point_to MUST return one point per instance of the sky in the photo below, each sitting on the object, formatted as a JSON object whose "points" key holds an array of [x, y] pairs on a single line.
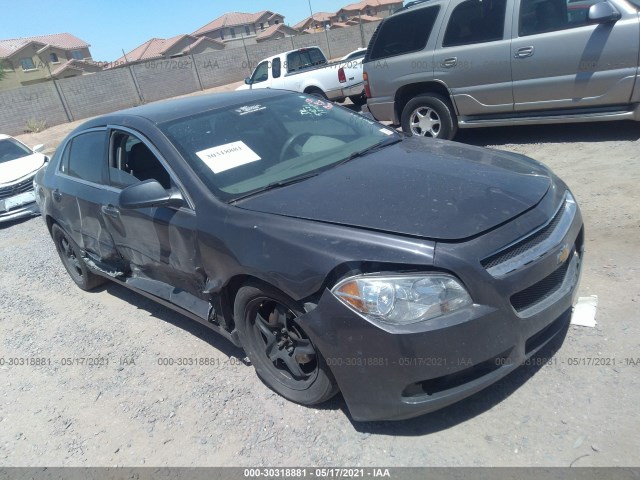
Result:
{"points": [[110, 26]]}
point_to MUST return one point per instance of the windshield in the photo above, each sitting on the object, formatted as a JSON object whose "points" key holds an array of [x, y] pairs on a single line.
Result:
{"points": [[248, 147], [12, 150]]}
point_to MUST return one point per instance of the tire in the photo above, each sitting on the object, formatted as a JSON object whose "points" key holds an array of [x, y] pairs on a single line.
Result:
{"points": [[71, 259], [316, 92], [430, 116], [271, 338], [358, 100]]}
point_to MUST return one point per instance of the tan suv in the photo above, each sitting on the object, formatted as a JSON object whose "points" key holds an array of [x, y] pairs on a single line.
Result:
{"points": [[441, 65]]}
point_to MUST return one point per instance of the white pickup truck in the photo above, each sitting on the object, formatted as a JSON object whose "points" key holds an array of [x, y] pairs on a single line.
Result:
{"points": [[306, 70]]}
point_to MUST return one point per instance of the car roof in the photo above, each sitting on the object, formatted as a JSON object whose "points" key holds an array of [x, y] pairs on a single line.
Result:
{"points": [[168, 110]]}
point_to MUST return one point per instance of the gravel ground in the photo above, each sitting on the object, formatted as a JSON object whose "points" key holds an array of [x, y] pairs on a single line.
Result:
{"points": [[135, 412]]}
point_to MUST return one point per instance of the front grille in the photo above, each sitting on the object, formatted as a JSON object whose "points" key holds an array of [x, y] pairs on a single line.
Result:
{"points": [[16, 189], [526, 243], [537, 292]]}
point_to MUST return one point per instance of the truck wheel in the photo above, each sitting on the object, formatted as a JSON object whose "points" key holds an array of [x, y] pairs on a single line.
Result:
{"points": [[316, 92], [358, 100], [281, 352], [430, 116]]}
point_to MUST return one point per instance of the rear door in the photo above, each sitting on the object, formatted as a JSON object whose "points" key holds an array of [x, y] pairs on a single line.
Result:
{"points": [[561, 61], [473, 56], [83, 190]]}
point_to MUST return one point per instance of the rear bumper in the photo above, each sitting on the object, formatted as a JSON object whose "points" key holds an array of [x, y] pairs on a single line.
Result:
{"points": [[383, 111], [341, 93]]}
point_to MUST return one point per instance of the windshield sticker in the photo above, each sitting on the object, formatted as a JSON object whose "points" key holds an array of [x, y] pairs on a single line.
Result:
{"points": [[225, 157], [386, 131], [250, 109], [315, 108]]}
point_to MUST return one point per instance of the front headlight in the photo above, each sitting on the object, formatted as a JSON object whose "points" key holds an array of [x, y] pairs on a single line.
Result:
{"points": [[402, 299]]}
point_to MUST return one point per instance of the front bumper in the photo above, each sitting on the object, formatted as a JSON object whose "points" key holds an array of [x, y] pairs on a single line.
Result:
{"points": [[24, 208], [394, 373]]}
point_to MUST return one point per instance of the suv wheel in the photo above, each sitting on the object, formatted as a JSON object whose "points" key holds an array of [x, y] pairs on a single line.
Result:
{"points": [[430, 116]]}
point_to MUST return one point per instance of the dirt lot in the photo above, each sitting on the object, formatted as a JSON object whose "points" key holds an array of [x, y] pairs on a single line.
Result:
{"points": [[135, 412]]}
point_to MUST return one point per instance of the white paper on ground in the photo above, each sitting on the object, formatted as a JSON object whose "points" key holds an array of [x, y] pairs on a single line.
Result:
{"points": [[584, 313], [225, 157]]}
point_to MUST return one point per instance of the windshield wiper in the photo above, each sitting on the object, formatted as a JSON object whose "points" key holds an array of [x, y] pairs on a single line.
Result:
{"points": [[373, 148], [275, 185]]}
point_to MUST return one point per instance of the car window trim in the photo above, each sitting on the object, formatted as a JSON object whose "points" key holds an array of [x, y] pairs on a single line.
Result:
{"points": [[161, 159]]}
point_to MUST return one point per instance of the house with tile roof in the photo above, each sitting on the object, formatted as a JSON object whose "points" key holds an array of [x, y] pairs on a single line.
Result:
{"points": [[30, 60], [238, 28], [174, 47], [365, 11], [316, 23]]}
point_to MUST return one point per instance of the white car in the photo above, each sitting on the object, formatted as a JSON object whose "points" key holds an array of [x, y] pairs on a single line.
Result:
{"points": [[356, 54], [18, 167]]}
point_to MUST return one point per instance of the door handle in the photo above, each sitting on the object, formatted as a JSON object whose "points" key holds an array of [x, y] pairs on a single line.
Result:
{"points": [[449, 62], [57, 196], [524, 52], [111, 211]]}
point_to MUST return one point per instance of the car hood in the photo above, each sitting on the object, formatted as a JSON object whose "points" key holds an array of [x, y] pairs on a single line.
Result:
{"points": [[21, 167], [421, 187]]}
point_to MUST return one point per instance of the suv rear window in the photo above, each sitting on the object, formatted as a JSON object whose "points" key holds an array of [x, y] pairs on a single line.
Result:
{"points": [[475, 21], [404, 33]]}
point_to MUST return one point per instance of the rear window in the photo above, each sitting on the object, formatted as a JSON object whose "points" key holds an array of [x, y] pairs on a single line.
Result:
{"points": [[404, 33], [304, 59]]}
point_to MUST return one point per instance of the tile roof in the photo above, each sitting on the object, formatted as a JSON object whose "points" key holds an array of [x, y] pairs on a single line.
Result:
{"points": [[273, 29], [317, 17], [65, 41], [370, 3], [158, 47], [74, 64], [233, 19]]}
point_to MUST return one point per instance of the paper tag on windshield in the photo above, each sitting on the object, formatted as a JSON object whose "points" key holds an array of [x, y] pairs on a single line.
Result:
{"points": [[225, 157]]}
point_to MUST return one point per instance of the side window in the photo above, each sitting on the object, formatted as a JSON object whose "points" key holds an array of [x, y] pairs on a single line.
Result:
{"points": [[261, 74], [404, 33], [131, 161], [84, 157], [475, 21], [276, 68], [540, 16]]}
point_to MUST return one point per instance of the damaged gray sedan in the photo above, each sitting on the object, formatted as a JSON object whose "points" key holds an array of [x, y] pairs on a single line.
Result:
{"points": [[406, 273]]}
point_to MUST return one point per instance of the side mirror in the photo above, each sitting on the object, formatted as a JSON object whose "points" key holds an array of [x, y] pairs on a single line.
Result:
{"points": [[603, 12], [39, 148], [149, 194], [247, 81]]}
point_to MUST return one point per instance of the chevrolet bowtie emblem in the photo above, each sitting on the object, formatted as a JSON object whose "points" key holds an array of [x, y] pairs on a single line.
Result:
{"points": [[564, 254]]}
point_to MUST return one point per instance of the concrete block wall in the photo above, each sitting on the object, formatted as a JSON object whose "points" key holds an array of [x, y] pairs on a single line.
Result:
{"points": [[119, 88], [160, 79], [91, 95], [34, 102]]}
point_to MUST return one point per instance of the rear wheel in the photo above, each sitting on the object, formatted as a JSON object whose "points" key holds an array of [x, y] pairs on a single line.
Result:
{"points": [[76, 267], [279, 349], [430, 116], [358, 100], [316, 92]]}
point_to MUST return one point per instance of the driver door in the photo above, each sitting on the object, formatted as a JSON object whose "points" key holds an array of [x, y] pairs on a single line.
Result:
{"points": [[158, 245]]}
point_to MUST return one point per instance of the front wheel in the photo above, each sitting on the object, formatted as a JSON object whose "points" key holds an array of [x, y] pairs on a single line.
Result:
{"points": [[430, 116], [281, 352]]}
